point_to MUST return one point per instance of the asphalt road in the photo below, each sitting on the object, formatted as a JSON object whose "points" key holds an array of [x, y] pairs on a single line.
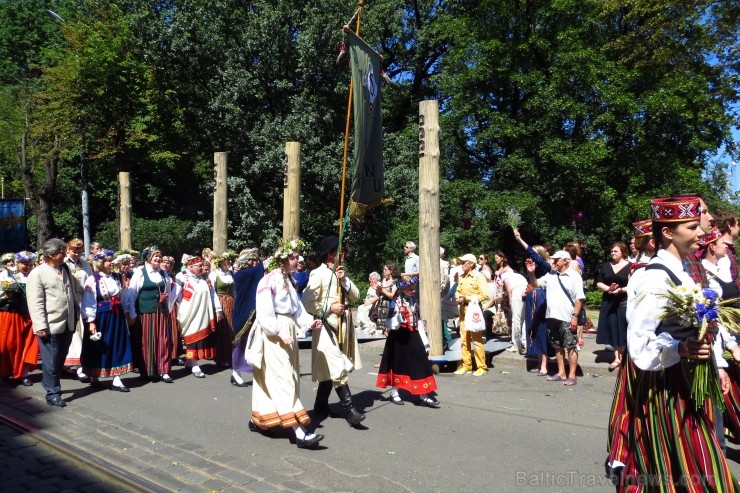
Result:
{"points": [[507, 431]]}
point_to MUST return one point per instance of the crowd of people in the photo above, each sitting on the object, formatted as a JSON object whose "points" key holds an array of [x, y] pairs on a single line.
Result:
{"points": [[115, 314], [120, 312]]}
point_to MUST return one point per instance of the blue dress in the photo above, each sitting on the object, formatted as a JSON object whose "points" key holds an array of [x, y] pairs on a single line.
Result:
{"points": [[112, 355], [245, 301], [535, 309]]}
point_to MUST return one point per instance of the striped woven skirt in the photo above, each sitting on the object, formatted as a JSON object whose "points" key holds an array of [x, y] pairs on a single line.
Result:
{"points": [[224, 333], [732, 405], [673, 446], [619, 417], [156, 343]]}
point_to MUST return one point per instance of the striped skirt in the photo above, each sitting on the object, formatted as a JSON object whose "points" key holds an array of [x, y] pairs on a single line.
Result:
{"points": [[224, 332], [619, 417], [732, 405], [156, 343], [672, 445]]}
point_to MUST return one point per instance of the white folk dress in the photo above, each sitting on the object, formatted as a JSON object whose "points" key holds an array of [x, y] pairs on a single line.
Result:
{"points": [[275, 398]]}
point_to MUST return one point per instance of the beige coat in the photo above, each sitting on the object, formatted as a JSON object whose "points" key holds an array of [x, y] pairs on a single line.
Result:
{"points": [[52, 300], [331, 359]]}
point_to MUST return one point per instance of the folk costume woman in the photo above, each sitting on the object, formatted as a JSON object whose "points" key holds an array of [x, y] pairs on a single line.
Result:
{"points": [[222, 280], [711, 251], [405, 364], [167, 264], [248, 273], [281, 317], [109, 353], [619, 417], [80, 269], [671, 436], [197, 314], [152, 293], [19, 347]]}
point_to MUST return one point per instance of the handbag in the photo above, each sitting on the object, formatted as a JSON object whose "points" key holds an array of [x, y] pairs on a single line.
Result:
{"points": [[582, 315], [255, 346], [474, 317], [373, 313]]}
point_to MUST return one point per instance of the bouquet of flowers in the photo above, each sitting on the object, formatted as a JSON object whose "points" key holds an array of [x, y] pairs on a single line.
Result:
{"points": [[9, 286], [513, 218], [694, 306]]}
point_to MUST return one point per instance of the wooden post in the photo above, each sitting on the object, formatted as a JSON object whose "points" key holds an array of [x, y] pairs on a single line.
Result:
{"points": [[220, 204], [429, 275], [124, 211], [292, 191]]}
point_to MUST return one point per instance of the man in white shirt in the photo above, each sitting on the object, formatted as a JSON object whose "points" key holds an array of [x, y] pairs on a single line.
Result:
{"points": [[411, 265], [565, 300]]}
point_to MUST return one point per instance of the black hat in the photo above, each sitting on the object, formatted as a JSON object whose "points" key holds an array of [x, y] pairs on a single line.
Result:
{"points": [[328, 244]]}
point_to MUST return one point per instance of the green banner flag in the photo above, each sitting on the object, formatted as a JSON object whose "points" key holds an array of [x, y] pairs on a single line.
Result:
{"points": [[368, 189]]}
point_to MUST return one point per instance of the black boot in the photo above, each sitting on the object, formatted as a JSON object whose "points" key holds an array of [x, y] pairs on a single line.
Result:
{"points": [[350, 413], [321, 404]]}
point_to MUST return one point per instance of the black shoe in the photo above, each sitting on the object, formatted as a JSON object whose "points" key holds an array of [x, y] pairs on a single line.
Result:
{"points": [[26, 382], [253, 427], [180, 362], [199, 374], [85, 380], [308, 442], [167, 379], [56, 401], [396, 399], [120, 388], [233, 382], [429, 401]]}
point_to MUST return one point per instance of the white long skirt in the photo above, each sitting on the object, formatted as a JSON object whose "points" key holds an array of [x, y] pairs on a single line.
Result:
{"points": [[275, 397]]}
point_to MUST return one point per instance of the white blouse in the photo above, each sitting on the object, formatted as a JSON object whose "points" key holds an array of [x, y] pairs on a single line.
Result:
{"points": [[276, 295], [648, 350], [109, 288]]}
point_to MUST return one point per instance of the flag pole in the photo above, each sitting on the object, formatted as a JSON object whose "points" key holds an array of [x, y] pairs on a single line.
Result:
{"points": [[360, 5]]}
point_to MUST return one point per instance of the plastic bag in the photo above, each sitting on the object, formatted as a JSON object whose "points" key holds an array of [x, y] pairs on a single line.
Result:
{"points": [[474, 316]]}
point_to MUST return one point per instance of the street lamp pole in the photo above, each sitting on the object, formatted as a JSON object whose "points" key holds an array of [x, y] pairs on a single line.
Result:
{"points": [[85, 196]]}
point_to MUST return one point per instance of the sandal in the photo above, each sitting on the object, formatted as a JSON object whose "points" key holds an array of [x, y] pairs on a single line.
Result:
{"points": [[555, 378], [570, 382]]}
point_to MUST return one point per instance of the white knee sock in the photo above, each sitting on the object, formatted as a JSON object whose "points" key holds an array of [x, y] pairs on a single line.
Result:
{"points": [[394, 391], [196, 369], [237, 378], [117, 382], [300, 433]]}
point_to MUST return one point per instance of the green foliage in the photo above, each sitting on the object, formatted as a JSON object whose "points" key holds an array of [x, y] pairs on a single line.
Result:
{"points": [[554, 108], [173, 236], [593, 298]]}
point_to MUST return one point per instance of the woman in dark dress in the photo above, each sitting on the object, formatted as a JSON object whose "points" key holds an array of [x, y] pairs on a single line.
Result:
{"points": [[405, 364], [536, 307], [249, 270], [612, 281]]}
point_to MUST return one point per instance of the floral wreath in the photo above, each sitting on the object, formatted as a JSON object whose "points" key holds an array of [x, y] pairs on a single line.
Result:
{"points": [[103, 254], [404, 284], [285, 250], [121, 257], [25, 256]]}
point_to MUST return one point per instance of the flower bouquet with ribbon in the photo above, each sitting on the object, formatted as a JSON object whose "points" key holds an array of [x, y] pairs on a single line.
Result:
{"points": [[699, 308]]}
